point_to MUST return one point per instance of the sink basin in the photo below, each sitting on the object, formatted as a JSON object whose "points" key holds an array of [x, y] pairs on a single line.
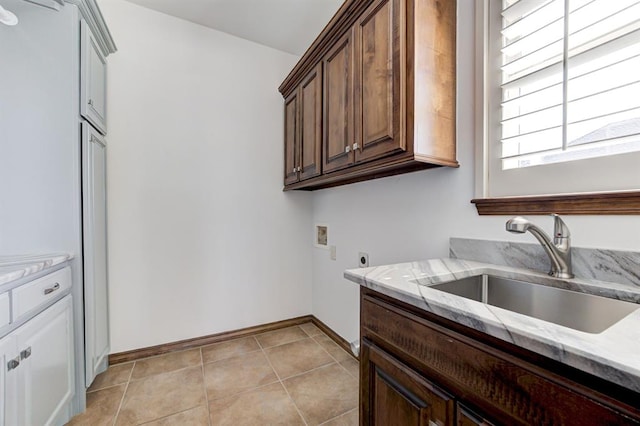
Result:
{"points": [[579, 311]]}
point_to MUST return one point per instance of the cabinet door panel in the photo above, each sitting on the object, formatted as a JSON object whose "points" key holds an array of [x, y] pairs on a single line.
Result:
{"points": [[311, 124], [46, 382], [291, 139], [338, 105], [379, 99], [93, 84], [8, 382], [94, 203], [392, 393]]}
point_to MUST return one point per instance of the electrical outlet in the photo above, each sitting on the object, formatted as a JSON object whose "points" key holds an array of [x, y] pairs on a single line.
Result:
{"points": [[332, 252], [363, 259]]}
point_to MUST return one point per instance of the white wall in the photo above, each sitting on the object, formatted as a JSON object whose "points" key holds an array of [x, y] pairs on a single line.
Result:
{"points": [[412, 216], [201, 237]]}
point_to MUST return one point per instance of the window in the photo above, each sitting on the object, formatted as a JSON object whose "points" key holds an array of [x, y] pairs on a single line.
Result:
{"points": [[563, 91]]}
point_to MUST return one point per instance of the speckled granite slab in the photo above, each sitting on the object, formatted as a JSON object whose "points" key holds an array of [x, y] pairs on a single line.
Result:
{"points": [[15, 267], [621, 267], [611, 355]]}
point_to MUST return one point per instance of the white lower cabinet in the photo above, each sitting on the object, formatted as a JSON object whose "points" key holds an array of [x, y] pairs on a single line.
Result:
{"points": [[38, 374]]}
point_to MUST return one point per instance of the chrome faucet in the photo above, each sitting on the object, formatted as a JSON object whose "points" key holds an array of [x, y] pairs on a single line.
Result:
{"points": [[559, 251]]}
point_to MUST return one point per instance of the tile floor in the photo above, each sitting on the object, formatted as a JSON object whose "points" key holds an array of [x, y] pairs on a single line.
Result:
{"points": [[292, 376]]}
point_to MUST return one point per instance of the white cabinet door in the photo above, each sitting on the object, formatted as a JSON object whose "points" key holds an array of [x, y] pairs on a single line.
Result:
{"points": [[10, 360], [46, 371], [93, 80], [94, 202]]}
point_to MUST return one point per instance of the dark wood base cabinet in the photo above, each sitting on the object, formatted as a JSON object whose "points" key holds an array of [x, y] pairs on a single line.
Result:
{"points": [[420, 369]]}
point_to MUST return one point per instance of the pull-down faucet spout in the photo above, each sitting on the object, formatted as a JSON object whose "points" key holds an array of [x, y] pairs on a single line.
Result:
{"points": [[559, 251]]}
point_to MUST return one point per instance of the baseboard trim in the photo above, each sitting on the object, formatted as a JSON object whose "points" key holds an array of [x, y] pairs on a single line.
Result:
{"points": [[333, 335], [135, 354]]}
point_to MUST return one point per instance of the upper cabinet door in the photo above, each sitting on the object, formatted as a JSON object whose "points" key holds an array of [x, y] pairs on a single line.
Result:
{"points": [[93, 84], [338, 105], [291, 139], [311, 124], [379, 98]]}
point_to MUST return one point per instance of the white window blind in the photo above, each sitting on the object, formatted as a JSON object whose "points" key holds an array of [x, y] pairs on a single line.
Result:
{"points": [[570, 80]]}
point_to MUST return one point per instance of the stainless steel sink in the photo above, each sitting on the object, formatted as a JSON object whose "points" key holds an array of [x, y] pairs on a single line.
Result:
{"points": [[580, 311]]}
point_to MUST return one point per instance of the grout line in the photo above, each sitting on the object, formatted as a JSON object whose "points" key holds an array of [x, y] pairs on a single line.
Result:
{"points": [[231, 357], [115, 418], [245, 391], [106, 387], [338, 416], [204, 387], [168, 415], [285, 389], [309, 371], [334, 358]]}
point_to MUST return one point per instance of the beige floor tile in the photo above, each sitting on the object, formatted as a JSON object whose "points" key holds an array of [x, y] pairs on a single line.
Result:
{"points": [[161, 395], [198, 416], [352, 366], [297, 357], [115, 375], [268, 405], [280, 337], [165, 363], [347, 419], [324, 393], [102, 407], [310, 329], [234, 375], [229, 349], [330, 346]]}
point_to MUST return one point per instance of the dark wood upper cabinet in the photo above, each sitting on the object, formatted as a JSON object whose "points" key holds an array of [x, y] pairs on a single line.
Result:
{"points": [[291, 139], [311, 124], [338, 105], [303, 129], [379, 102], [388, 92]]}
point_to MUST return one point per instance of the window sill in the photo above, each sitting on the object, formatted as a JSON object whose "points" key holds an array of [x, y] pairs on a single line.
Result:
{"points": [[596, 203]]}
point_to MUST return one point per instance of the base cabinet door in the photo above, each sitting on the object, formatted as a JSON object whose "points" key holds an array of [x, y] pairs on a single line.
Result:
{"points": [[10, 360], [393, 394], [46, 371]]}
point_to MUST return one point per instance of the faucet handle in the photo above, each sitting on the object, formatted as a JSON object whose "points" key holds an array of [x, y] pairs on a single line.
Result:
{"points": [[560, 229]]}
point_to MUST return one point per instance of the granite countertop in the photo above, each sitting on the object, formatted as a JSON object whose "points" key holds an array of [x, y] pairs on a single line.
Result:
{"points": [[13, 268], [611, 355]]}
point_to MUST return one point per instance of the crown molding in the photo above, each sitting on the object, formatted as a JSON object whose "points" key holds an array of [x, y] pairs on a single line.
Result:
{"points": [[93, 16]]}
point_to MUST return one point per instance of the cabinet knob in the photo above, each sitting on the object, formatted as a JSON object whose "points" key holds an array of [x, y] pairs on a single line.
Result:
{"points": [[294, 170], [347, 148], [13, 363], [299, 168], [355, 146], [25, 353], [91, 102]]}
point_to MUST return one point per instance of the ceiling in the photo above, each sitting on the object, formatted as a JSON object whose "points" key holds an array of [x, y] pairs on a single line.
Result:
{"points": [[288, 25]]}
